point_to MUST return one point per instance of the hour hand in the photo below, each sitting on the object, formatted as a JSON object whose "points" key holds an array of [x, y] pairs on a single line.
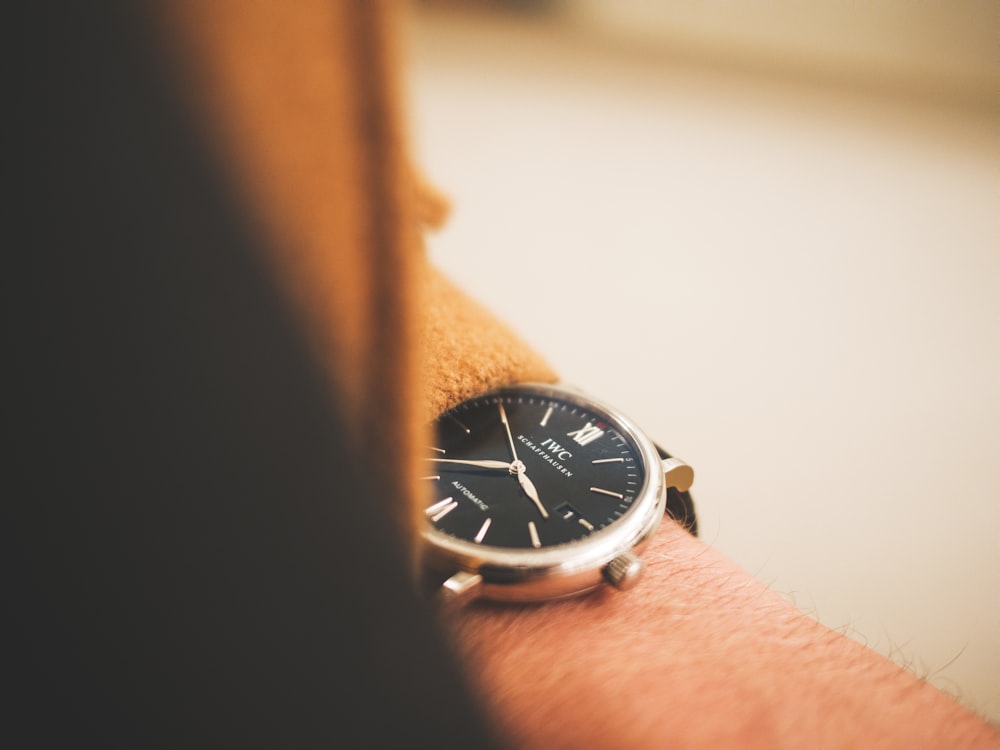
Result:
{"points": [[529, 489], [485, 464]]}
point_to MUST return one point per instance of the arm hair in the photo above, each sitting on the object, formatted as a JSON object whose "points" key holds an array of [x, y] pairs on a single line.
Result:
{"points": [[700, 654]]}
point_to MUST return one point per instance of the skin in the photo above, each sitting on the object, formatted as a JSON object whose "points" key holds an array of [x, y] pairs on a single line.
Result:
{"points": [[700, 654]]}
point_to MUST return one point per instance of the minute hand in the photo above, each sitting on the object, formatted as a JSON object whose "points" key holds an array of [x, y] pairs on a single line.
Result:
{"points": [[499, 465], [506, 426]]}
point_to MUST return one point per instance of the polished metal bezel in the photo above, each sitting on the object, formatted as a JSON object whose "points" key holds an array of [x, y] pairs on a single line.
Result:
{"points": [[567, 569]]}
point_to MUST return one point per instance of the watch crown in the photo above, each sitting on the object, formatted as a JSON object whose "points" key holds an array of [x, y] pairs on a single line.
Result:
{"points": [[624, 571]]}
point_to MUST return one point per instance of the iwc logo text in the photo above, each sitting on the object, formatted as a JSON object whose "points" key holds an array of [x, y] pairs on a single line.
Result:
{"points": [[550, 452]]}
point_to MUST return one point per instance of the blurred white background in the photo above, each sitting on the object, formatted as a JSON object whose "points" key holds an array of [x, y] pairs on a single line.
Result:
{"points": [[772, 237]]}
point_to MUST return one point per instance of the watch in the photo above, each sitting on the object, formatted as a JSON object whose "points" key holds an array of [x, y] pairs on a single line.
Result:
{"points": [[541, 492]]}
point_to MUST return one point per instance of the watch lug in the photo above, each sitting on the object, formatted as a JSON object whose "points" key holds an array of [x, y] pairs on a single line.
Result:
{"points": [[462, 586], [678, 474], [624, 571]]}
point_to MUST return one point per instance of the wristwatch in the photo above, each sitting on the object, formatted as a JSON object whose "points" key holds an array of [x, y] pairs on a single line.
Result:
{"points": [[541, 492]]}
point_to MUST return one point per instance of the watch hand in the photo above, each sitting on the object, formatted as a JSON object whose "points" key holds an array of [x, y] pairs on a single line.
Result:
{"points": [[502, 465], [510, 439], [529, 489]]}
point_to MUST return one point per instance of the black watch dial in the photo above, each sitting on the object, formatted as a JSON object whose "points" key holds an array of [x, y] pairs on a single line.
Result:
{"points": [[520, 469]]}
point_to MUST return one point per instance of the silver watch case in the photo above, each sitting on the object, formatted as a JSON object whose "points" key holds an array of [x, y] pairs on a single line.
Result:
{"points": [[610, 555]]}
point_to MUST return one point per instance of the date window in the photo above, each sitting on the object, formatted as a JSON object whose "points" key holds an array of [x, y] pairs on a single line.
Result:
{"points": [[567, 512]]}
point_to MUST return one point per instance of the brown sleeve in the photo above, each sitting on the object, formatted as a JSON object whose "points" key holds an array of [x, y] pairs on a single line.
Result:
{"points": [[302, 107], [465, 349], [304, 110]]}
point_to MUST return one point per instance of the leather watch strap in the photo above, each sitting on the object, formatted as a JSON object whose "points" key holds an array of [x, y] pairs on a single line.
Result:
{"points": [[680, 505]]}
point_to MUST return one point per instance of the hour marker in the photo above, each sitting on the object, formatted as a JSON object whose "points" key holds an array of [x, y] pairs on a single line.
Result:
{"points": [[439, 450], [545, 419], [467, 430], [608, 461], [607, 492], [480, 535], [440, 509], [432, 477], [586, 434], [586, 524], [533, 530]]}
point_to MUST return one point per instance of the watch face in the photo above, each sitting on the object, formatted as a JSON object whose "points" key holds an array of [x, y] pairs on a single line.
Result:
{"points": [[531, 468]]}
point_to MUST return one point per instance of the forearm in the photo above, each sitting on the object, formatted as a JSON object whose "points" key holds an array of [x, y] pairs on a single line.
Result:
{"points": [[700, 654]]}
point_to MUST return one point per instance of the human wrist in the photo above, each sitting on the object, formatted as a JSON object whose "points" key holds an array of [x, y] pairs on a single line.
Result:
{"points": [[699, 653]]}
